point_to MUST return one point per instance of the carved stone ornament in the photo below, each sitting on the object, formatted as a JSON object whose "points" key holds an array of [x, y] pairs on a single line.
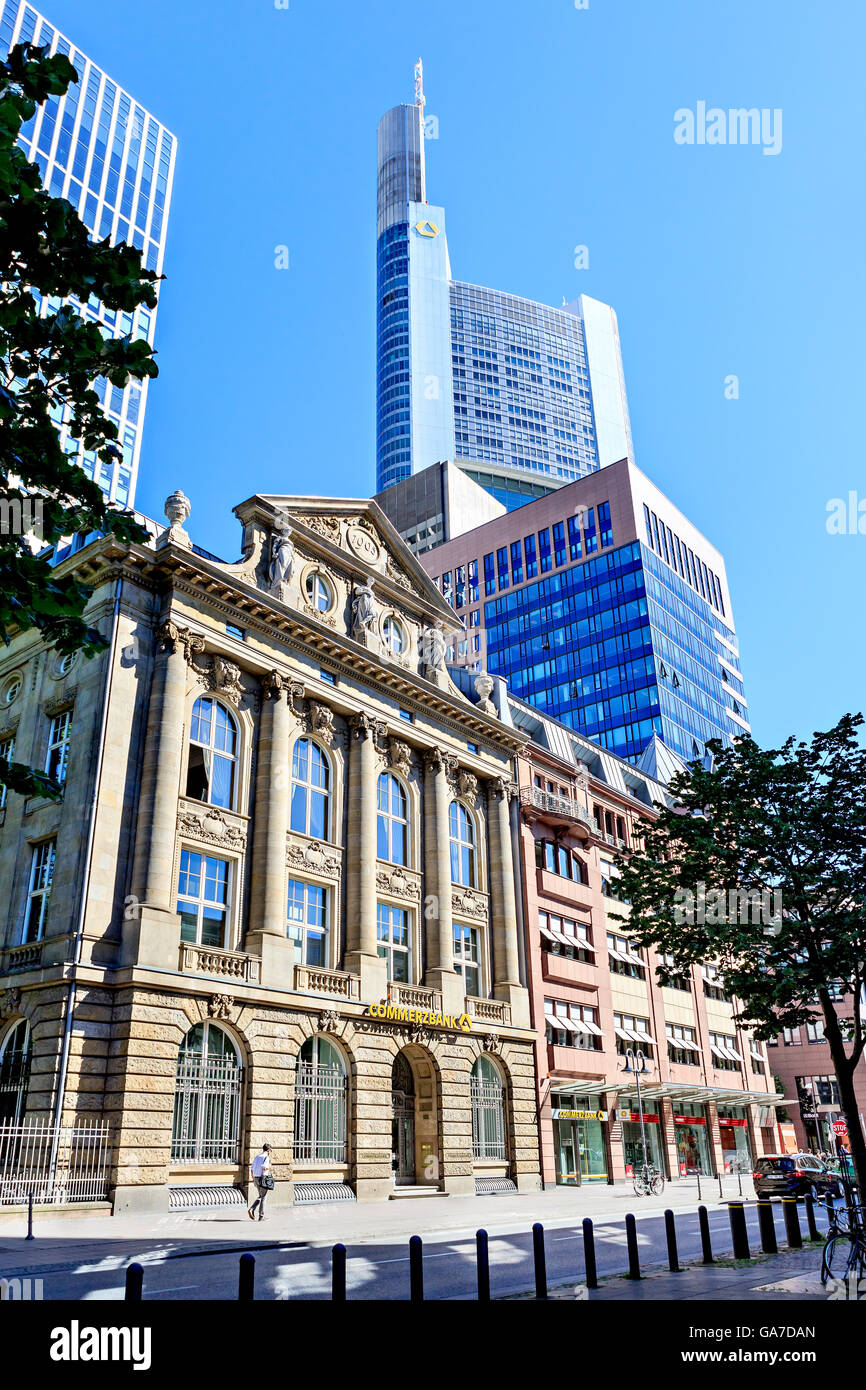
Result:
{"points": [[492, 1043], [467, 903], [10, 1002], [364, 725], [397, 883], [327, 526], [503, 787], [170, 634], [401, 756], [211, 825], [484, 689], [363, 541], [467, 786], [418, 1034], [364, 610], [314, 856], [437, 760], [224, 679], [322, 722], [177, 509], [432, 646], [398, 575], [275, 685], [221, 1006], [329, 1021]]}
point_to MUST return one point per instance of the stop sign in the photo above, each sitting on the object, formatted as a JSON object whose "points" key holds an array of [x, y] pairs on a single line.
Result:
{"points": [[840, 1127]]}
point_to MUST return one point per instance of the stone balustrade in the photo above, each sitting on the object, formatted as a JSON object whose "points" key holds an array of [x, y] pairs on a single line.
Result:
{"points": [[415, 997], [310, 979], [488, 1010], [225, 965]]}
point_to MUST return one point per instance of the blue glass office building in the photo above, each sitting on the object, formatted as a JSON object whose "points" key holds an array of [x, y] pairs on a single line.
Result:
{"points": [[98, 148], [522, 396]]}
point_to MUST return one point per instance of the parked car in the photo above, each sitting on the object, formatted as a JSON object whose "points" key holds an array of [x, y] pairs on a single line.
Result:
{"points": [[793, 1175]]}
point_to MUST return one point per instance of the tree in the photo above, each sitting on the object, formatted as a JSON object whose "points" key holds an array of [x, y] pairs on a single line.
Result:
{"points": [[760, 865], [50, 362]]}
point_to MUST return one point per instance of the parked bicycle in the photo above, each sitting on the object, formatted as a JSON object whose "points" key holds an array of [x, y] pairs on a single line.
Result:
{"points": [[648, 1180], [843, 1258]]}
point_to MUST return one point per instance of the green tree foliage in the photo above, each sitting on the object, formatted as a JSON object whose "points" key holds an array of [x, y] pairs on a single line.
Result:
{"points": [[761, 867], [51, 361]]}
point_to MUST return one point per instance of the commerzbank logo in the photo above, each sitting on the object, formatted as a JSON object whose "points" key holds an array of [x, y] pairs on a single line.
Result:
{"points": [[426, 229]]}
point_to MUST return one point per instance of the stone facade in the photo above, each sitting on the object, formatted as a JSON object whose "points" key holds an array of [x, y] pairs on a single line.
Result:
{"points": [[231, 746]]}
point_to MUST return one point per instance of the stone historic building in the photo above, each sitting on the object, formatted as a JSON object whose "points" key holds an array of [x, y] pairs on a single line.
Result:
{"points": [[277, 901]]}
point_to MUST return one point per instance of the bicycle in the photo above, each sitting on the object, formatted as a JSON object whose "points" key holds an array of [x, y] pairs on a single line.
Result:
{"points": [[844, 1244], [648, 1180]]}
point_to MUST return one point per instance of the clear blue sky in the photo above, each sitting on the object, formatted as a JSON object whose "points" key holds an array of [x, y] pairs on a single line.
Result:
{"points": [[555, 129]]}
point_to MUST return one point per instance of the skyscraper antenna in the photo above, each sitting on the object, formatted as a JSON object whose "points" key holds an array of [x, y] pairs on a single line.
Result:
{"points": [[420, 99]]}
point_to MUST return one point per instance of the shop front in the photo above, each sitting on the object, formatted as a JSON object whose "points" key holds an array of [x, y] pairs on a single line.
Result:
{"points": [[633, 1137], [734, 1134], [580, 1140], [693, 1140]]}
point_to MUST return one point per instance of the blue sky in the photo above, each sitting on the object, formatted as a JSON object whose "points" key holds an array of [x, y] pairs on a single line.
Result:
{"points": [[555, 130]]}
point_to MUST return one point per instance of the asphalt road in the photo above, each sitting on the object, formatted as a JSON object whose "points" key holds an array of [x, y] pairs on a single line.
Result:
{"points": [[380, 1270]]}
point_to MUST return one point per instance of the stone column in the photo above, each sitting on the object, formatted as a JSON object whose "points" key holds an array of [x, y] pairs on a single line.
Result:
{"points": [[438, 911], [361, 955], [503, 903], [267, 935], [152, 936]]}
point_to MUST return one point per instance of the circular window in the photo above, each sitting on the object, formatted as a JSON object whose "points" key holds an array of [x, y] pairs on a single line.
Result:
{"points": [[65, 663], [319, 592], [395, 637], [11, 689]]}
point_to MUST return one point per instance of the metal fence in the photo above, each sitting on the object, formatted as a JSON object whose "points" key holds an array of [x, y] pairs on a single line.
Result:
{"points": [[57, 1163]]}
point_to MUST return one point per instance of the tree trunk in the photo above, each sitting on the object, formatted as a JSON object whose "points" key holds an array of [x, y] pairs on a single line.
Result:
{"points": [[844, 1069]]}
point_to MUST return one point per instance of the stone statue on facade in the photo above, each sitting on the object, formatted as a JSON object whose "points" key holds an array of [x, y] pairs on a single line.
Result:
{"points": [[282, 564], [363, 611], [484, 689], [433, 646]]}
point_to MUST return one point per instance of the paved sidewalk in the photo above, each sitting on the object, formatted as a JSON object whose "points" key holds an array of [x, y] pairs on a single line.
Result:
{"points": [[792, 1275], [64, 1242]]}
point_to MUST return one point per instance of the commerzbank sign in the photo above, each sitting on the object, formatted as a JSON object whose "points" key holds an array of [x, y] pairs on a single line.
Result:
{"points": [[395, 1013]]}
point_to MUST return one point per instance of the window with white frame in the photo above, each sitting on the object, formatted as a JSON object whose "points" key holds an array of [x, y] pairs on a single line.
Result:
{"points": [[677, 976], [206, 1122], [562, 936], [630, 1029], [815, 1033], [572, 1025], [682, 1045], [211, 770], [319, 592], [203, 887], [39, 891], [462, 835], [393, 940], [394, 635], [311, 779], [14, 1072], [57, 755], [392, 822], [726, 1056], [7, 753], [625, 957], [307, 922], [466, 958]]}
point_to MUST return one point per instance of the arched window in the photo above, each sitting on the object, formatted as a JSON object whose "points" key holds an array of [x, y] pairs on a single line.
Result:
{"points": [[319, 592], [488, 1110], [462, 833], [14, 1072], [321, 1090], [393, 820], [311, 778], [213, 740], [394, 635], [207, 1097]]}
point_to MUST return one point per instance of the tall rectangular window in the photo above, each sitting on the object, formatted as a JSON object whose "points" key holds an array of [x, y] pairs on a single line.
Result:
{"points": [[590, 540], [7, 753], [466, 961], [203, 898], [575, 544], [307, 922], [605, 530], [502, 566], [447, 588], [559, 543], [39, 892], [544, 550], [459, 586], [392, 933], [472, 580], [516, 562], [531, 562], [489, 575], [648, 524], [57, 755]]}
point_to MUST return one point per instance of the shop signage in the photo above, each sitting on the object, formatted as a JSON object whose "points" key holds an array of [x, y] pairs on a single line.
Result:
{"points": [[689, 1120], [579, 1114], [729, 1124], [633, 1117], [393, 1013]]}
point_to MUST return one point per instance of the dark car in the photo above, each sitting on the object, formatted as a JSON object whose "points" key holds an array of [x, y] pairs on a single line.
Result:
{"points": [[793, 1175]]}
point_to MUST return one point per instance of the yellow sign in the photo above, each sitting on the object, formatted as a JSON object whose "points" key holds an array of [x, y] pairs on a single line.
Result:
{"points": [[580, 1114], [394, 1013], [426, 229]]}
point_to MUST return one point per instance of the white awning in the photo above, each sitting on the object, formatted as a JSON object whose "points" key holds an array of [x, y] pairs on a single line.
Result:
{"points": [[580, 1026], [717, 1051], [731, 1053], [618, 955], [684, 1043], [545, 932], [594, 1028], [756, 1055], [561, 1021], [623, 1035], [643, 1036]]}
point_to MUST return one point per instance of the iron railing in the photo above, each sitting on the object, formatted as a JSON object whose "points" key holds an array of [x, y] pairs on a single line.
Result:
{"points": [[488, 1119], [206, 1110], [56, 1163], [320, 1114]]}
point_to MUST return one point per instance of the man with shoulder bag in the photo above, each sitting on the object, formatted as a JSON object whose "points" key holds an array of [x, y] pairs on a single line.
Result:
{"points": [[263, 1179]]}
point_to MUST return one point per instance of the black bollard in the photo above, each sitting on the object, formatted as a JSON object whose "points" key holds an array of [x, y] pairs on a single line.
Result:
{"points": [[338, 1274], [671, 1233], [814, 1233], [416, 1269], [134, 1282], [589, 1264], [29, 1235], [706, 1238], [631, 1242], [739, 1231], [482, 1250], [246, 1278], [767, 1226], [721, 1193], [540, 1261], [792, 1223]]}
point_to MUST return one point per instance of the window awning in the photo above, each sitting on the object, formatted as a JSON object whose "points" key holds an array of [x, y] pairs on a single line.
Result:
{"points": [[623, 1035], [618, 954], [593, 1028], [756, 1055], [546, 932], [685, 1043], [643, 1036], [560, 1021]]}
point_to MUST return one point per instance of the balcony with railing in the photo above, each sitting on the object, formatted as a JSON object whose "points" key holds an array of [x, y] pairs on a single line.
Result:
{"points": [[488, 1010], [562, 810], [414, 997], [314, 979], [235, 966]]}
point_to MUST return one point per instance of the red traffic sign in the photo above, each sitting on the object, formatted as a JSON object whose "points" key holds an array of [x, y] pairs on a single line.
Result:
{"points": [[840, 1127]]}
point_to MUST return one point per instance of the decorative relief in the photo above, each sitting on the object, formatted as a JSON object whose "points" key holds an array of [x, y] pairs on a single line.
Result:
{"points": [[364, 613], [468, 903], [398, 575], [437, 760], [329, 1021], [224, 678], [322, 722], [420, 1035], [362, 539], [313, 856], [364, 725], [10, 1002], [467, 786], [492, 1043], [282, 560], [221, 1006], [503, 787], [327, 526], [400, 755], [432, 647], [169, 633], [275, 684], [212, 826], [398, 883], [484, 689]]}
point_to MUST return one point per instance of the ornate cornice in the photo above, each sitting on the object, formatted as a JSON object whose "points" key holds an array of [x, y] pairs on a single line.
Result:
{"points": [[210, 825], [171, 634], [364, 725], [398, 882], [312, 856], [502, 788]]}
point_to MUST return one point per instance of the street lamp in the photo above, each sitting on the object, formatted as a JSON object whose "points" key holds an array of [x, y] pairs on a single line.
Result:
{"points": [[636, 1064]]}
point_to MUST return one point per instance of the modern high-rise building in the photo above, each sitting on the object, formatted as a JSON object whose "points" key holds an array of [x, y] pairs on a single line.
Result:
{"points": [[522, 396], [103, 152], [605, 608]]}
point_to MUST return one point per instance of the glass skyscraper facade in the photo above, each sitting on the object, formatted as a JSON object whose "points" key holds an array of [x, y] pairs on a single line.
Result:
{"points": [[103, 152], [522, 396]]}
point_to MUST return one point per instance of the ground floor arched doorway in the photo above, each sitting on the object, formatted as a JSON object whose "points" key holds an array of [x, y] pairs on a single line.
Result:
{"points": [[414, 1119]]}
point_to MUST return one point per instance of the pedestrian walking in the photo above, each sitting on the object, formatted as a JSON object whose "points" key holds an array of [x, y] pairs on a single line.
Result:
{"points": [[261, 1171]]}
